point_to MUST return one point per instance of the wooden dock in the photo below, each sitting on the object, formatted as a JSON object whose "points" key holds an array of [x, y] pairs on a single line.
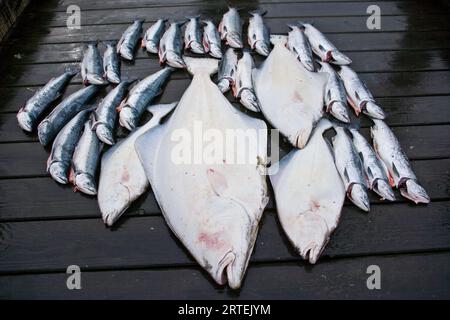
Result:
{"points": [[45, 227]]}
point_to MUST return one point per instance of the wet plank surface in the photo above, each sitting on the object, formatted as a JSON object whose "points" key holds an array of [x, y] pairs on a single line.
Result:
{"points": [[45, 227]]}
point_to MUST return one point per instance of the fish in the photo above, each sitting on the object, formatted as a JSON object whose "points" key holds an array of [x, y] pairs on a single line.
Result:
{"points": [[111, 63], [140, 96], [64, 112], [92, 65], [377, 179], [298, 43], [323, 47], [105, 114], [129, 40], [34, 107], [171, 46], [85, 161], [153, 35], [335, 96], [358, 96], [243, 86], [227, 70], [122, 177], [59, 161], [309, 194], [193, 35], [211, 40], [230, 28], [396, 163], [213, 206], [258, 33], [350, 169], [290, 97]]}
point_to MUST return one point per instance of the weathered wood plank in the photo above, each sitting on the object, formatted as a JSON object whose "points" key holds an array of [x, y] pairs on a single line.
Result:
{"points": [[61, 5], [367, 62], [422, 142], [43, 192], [427, 277], [41, 33], [213, 10], [147, 241]]}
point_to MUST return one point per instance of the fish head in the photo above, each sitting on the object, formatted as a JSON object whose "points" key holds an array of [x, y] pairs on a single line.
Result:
{"points": [[248, 99], [85, 183], [25, 121], [45, 130], [215, 51], [151, 47], [197, 48], [58, 172], [224, 85], [339, 111], [234, 40], [262, 48], [113, 202], [382, 188], [373, 110], [358, 195], [127, 118], [174, 60], [113, 77], [104, 134], [414, 191], [337, 57]]}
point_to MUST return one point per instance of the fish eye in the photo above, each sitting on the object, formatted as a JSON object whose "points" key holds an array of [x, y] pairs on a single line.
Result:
{"points": [[322, 48]]}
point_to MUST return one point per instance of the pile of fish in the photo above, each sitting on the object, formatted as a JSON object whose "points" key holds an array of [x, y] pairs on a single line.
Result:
{"points": [[303, 88]]}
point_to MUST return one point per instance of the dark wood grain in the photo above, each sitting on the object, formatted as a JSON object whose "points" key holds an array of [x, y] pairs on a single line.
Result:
{"points": [[412, 276], [43, 192], [147, 241]]}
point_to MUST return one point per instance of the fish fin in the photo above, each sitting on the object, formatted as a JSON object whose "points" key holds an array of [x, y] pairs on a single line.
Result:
{"points": [[217, 181], [196, 65], [161, 110]]}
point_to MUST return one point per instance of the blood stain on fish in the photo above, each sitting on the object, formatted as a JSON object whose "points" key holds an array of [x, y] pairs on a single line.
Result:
{"points": [[211, 241]]}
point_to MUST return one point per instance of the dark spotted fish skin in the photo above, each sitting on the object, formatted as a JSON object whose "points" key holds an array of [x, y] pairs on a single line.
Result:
{"points": [[129, 40]]}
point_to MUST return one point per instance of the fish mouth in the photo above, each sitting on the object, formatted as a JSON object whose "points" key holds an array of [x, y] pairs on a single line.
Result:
{"points": [[215, 52], [85, 183], [25, 121], [248, 99], [262, 48], [339, 111], [414, 192], [234, 40], [371, 109], [151, 47], [337, 57], [230, 270], [58, 172], [358, 195], [104, 134], [383, 189], [197, 48], [127, 118], [95, 79], [174, 60], [113, 78], [308, 64], [126, 54], [224, 85]]}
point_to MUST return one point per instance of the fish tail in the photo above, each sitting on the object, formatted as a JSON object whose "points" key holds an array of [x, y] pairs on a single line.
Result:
{"points": [[260, 12], [141, 21], [197, 65], [193, 17], [112, 43]]}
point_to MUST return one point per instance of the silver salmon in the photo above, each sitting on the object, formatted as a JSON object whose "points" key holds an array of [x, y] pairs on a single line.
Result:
{"points": [[211, 40], [129, 40], [258, 33], [230, 28], [111, 63], [193, 35], [227, 70], [153, 35], [171, 46], [92, 65]]}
